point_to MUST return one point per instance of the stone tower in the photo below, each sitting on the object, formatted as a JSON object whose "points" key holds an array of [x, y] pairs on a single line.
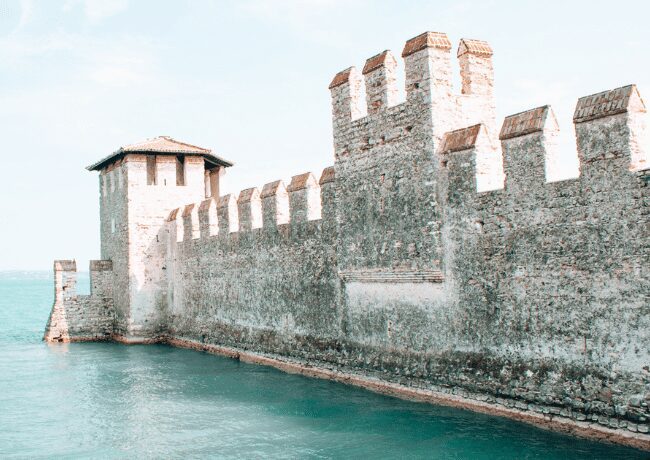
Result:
{"points": [[139, 185]]}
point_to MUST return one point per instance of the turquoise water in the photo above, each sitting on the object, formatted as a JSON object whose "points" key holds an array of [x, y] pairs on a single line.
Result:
{"points": [[115, 401]]}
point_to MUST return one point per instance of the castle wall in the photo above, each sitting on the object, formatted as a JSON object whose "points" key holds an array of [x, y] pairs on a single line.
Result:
{"points": [[113, 211], [553, 278], [265, 287], [434, 254], [81, 317], [133, 214], [532, 296]]}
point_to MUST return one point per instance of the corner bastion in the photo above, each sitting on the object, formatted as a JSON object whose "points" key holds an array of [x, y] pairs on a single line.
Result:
{"points": [[437, 259]]}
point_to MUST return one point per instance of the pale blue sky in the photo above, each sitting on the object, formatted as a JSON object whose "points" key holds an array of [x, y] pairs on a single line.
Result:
{"points": [[79, 78]]}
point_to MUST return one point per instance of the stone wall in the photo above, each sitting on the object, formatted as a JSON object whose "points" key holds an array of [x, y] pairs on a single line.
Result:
{"points": [[553, 277], [261, 279], [530, 295], [133, 213], [434, 254], [81, 317]]}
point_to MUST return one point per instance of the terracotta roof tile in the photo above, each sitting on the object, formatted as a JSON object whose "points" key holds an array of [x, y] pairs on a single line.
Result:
{"points": [[205, 204], [460, 139], [187, 210], [378, 60], [523, 123], [604, 104], [426, 40], [247, 195], [476, 47], [327, 176], [342, 77], [271, 188], [162, 145], [173, 214], [301, 181], [225, 200]]}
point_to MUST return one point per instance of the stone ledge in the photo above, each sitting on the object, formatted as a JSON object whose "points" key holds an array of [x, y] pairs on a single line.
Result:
{"points": [[392, 276], [552, 422], [101, 265], [65, 265]]}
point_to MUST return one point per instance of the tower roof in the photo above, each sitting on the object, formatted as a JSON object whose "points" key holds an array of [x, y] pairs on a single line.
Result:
{"points": [[161, 145]]}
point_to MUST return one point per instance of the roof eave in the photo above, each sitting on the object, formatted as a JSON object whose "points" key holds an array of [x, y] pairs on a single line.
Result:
{"points": [[107, 159], [218, 161], [212, 159]]}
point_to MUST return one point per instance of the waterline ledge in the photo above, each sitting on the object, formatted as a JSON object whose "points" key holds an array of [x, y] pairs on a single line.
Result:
{"points": [[437, 396]]}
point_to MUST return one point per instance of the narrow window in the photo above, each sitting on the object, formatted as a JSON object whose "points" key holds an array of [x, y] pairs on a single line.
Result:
{"points": [[112, 225], [151, 170], [180, 170]]}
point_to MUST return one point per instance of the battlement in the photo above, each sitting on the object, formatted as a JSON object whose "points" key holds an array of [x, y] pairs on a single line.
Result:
{"points": [[428, 72], [81, 317], [610, 127], [276, 205]]}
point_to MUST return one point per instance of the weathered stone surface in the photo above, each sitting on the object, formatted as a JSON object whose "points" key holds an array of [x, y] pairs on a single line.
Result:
{"points": [[81, 317], [412, 260]]}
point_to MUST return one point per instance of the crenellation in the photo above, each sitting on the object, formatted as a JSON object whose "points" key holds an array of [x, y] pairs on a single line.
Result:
{"points": [[527, 139], [249, 209], [618, 119], [208, 220], [275, 204], [427, 62], [177, 228], [479, 168], [346, 92], [459, 156], [381, 82], [304, 198], [476, 71], [165, 170], [101, 277], [190, 220], [460, 139], [327, 176], [65, 279], [327, 184], [81, 317], [228, 214]]}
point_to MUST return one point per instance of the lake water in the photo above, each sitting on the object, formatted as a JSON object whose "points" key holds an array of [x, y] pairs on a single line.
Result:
{"points": [[114, 401]]}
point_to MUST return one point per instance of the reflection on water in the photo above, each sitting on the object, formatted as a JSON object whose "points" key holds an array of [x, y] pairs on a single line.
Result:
{"points": [[115, 401]]}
